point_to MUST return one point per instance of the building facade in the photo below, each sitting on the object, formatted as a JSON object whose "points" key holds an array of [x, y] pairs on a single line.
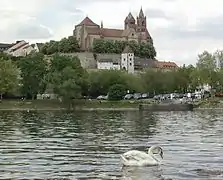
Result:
{"points": [[4, 46], [134, 30], [127, 60], [20, 48]]}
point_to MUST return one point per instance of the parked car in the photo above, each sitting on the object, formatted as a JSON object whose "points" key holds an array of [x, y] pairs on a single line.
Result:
{"points": [[102, 97], [157, 97], [137, 96], [128, 96], [145, 96]]}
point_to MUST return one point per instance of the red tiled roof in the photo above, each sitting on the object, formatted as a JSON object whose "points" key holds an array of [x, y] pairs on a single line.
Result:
{"points": [[21, 46], [105, 32], [111, 32], [87, 21], [166, 65]]}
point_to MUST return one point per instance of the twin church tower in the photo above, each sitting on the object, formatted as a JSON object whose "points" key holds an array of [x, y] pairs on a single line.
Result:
{"points": [[134, 30]]}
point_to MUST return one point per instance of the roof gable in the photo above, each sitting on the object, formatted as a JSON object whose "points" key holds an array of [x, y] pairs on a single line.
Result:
{"points": [[164, 64], [88, 22]]}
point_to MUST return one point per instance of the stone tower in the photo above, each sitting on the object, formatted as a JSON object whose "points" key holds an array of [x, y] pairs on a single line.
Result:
{"points": [[130, 21], [141, 22], [127, 60]]}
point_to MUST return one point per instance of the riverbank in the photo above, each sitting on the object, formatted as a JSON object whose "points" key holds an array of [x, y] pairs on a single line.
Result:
{"points": [[92, 105], [211, 103], [55, 105]]}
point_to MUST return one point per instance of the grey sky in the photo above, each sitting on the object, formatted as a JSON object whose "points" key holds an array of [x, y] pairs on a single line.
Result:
{"points": [[180, 29]]}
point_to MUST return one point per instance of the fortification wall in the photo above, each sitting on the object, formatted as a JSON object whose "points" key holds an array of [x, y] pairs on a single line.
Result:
{"points": [[88, 61], [86, 58]]}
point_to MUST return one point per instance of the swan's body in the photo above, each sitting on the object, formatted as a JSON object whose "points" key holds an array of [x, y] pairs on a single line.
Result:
{"points": [[139, 158]]}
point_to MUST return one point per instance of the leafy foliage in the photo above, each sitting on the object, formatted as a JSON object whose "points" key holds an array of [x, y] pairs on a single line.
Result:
{"points": [[65, 45], [101, 81], [9, 77], [206, 61], [117, 92], [33, 71], [69, 80], [108, 46], [66, 76]]}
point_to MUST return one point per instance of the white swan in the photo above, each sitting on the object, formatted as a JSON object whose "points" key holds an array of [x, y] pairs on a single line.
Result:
{"points": [[138, 158]]}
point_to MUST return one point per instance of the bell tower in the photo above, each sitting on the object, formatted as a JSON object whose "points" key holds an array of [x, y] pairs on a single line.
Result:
{"points": [[141, 22], [130, 21]]}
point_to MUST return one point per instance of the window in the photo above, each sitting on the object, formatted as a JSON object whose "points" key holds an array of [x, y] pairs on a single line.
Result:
{"points": [[124, 59], [130, 59], [132, 34], [130, 64]]}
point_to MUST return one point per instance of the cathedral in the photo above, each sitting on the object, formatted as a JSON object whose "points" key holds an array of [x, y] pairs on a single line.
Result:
{"points": [[134, 30]]}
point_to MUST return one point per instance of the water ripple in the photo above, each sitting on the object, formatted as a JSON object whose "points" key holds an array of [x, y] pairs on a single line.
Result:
{"points": [[88, 145]]}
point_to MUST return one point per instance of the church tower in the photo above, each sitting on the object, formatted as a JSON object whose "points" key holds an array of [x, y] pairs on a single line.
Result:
{"points": [[130, 21], [141, 22]]}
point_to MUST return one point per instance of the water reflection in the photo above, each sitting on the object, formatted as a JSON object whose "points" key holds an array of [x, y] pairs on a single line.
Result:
{"points": [[142, 173], [87, 145]]}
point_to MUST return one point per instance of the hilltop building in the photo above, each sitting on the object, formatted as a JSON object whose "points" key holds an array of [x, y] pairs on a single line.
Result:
{"points": [[131, 63], [134, 30], [20, 48]]}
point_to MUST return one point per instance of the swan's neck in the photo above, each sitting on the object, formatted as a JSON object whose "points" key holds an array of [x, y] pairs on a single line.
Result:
{"points": [[152, 155]]}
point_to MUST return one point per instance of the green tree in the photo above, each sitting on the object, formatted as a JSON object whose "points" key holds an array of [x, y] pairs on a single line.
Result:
{"points": [[98, 46], [206, 61], [68, 45], [117, 92], [65, 83], [142, 49], [9, 77], [101, 81], [52, 47], [67, 77], [44, 48], [219, 58], [65, 45], [33, 71], [153, 81], [206, 68]]}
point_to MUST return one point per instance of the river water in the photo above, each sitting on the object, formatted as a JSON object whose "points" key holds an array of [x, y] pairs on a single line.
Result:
{"points": [[87, 145]]}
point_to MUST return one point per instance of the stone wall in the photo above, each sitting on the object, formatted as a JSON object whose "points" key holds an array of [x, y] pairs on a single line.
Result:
{"points": [[88, 60]]}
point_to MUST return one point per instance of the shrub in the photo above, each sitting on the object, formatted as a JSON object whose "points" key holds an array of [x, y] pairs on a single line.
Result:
{"points": [[116, 92]]}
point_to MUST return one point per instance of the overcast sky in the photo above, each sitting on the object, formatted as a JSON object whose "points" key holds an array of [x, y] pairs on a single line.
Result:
{"points": [[180, 28]]}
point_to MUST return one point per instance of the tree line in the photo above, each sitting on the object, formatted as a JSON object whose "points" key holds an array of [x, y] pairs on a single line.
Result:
{"points": [[65, 45], [142, 49], [64, 76], [70, 45]]}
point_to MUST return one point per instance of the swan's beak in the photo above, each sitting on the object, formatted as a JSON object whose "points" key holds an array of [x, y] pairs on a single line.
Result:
{"points": [[161, 154]]}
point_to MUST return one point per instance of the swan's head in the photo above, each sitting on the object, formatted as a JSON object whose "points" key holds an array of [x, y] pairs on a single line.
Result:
{"points": [[156, 150]]}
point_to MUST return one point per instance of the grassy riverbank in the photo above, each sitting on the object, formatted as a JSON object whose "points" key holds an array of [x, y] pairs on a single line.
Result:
{"points": [[212, 103], [77, 104]]}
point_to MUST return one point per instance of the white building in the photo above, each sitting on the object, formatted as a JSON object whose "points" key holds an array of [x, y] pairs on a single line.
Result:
{"points": [[20, 48], [107, 64], [127, 60]]}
